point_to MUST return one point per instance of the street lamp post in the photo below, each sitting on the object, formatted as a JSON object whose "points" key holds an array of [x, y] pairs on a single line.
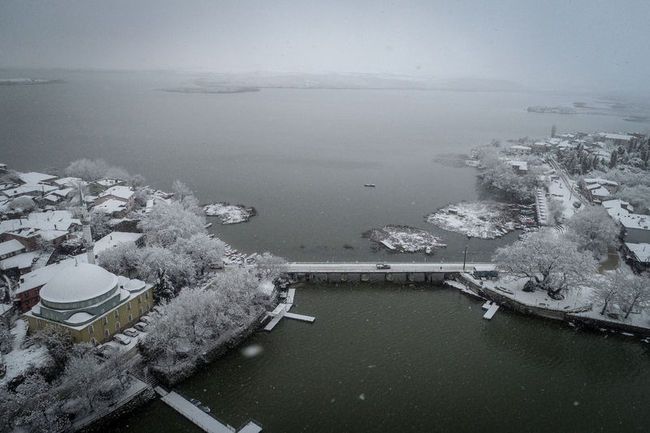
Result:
{"points": [[464, 258]]}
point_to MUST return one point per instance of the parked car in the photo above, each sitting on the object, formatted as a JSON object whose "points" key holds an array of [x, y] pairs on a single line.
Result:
{"points": [[141, 326], [383, 266], [122, 339], [130, 332], [105, 350], [145, 319]]}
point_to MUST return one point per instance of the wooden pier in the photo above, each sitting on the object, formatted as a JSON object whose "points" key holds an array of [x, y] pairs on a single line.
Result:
{"points": [[282, 311], [201, 419]]}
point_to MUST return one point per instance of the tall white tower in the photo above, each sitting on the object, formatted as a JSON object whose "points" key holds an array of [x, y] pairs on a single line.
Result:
{"points": [[85, 227]]}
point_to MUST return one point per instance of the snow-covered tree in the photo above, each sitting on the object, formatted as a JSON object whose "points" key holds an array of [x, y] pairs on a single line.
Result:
{"points": [[634, 293], [184, 195], [167, 270], [499, 175], [6, 339], [87, 169], [606, 289], [556, 211], [199, 320], [83, 376], [204, 251], [637, 195], [100, 224], [94, 169], [550, 262], [168, 222], [593, 229], [58, 344], [121, 260], [270, 267], [40, 406]]}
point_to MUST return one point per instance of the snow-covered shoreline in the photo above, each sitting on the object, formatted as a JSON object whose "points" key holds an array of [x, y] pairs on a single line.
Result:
{"points": [[230, 214], [483, 219]]}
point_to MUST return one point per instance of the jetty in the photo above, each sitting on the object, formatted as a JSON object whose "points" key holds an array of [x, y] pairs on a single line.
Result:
{"points": [[282, 311], [491, 308], [201, 419]]}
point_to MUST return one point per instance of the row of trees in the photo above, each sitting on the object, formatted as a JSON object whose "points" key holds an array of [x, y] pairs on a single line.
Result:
{"points": [[178, 249], [200, 320]]}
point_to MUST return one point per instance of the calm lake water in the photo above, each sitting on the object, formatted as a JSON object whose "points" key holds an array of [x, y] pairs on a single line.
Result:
{"points": [[378, 358], [387, 358]]}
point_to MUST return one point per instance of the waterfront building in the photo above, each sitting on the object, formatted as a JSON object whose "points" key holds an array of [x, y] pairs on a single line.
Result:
{"points": [[90, 302]]}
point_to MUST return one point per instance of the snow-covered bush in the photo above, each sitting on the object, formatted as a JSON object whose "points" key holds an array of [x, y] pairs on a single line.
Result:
{"points": [[593, 229]]}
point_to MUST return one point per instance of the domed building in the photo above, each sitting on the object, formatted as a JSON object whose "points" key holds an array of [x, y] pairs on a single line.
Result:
{"points": [[90, 302]]}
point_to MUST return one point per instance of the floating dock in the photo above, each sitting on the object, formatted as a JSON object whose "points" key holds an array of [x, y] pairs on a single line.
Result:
{"points": [[282, 310], [302, 317], [491, 308], [196, 415], [276, 315]]}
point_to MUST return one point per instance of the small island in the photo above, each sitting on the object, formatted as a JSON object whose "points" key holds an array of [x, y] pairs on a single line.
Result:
{"points": [[404, 239], [482, 219], [230, 214]]}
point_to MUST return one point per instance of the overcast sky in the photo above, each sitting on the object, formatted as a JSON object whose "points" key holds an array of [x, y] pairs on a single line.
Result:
{"points": [[591, 43]]}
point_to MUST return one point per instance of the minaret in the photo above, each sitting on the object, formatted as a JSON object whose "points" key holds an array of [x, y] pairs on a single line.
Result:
{"points": [[85, 227]]}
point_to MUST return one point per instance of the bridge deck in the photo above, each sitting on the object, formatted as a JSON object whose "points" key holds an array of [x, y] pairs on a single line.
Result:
{"points": [[368, 268]]}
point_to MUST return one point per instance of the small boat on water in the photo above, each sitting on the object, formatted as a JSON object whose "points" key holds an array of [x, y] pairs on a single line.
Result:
{"points": [[369, 185]]}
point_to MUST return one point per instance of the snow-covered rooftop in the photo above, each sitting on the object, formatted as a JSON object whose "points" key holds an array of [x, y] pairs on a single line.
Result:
{"points": [[10, 247], [20, 261], [635, 221], [600, 192], [114, 239], [617, 204], [29, 189], [110, 206], [49, 225], [70, 182], [123, 192], [598, 180], [33, 177], [641, 251], [609, 136]]}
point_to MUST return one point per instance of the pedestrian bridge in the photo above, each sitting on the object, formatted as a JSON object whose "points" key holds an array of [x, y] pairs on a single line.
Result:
{"points": [[389, 271]]}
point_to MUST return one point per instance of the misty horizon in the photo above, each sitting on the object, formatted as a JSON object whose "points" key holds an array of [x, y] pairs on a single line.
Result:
{"points": [[583, 46]]}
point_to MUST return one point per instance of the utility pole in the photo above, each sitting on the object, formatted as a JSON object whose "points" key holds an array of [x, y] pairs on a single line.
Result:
{"points": [[464, 258]]}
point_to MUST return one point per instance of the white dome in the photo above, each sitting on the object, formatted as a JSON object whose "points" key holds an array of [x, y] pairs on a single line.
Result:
{"points": [[78, 283]]}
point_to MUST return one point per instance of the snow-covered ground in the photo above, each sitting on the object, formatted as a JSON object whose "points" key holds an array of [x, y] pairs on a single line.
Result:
{"points": [[558, 190], [482, 219], [230, 214], [405, 239], [20, 359], [579, 299]]}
